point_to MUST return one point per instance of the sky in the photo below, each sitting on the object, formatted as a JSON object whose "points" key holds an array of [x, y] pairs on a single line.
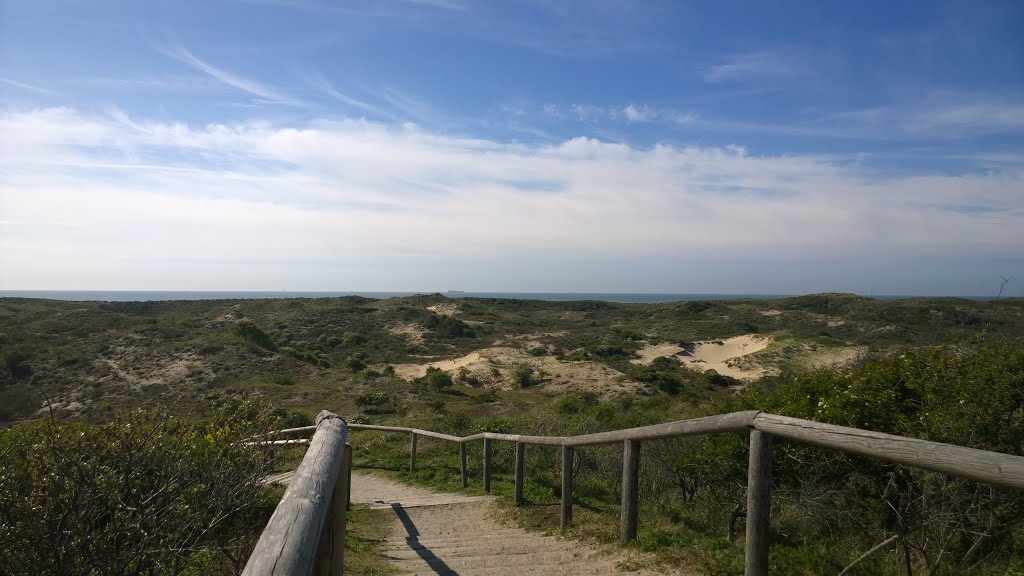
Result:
{"points": [[611, 146]]}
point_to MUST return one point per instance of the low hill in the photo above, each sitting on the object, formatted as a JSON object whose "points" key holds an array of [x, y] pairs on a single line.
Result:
{"points": [[86, 359]]}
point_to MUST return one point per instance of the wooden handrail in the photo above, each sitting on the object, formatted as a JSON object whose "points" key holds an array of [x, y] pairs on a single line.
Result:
{"points": [[996, 468], [1005, 470], [306, 533]]}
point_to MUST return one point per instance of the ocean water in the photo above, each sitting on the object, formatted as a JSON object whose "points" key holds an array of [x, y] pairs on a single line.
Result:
{"points": [[139, 296]]}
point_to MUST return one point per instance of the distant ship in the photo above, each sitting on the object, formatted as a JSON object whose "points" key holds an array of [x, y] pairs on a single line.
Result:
{"points": [[459, 292]]}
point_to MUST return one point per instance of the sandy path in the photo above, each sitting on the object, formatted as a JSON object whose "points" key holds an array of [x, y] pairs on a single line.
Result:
{"points": [[453, 534]]}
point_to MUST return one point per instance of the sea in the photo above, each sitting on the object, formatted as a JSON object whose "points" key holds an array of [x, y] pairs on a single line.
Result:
{"points": [[143, 296]]}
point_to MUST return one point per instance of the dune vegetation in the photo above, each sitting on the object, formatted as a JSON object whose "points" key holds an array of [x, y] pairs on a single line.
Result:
{"points": [[950, 370]]}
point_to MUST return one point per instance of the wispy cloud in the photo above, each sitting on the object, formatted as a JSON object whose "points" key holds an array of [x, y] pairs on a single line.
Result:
{"points": [[262, 91], [26, 86], [935, 116], [321, 83], [412, 109], [630, 114], [442, 4], [755, 65]]}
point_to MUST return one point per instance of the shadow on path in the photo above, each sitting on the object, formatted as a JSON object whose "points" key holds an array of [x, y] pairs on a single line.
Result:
{"points": [[412, 539]]}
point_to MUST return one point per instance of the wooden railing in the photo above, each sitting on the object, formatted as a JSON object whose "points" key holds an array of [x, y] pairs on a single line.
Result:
{"points": [[306, 533], [1003, 470]]}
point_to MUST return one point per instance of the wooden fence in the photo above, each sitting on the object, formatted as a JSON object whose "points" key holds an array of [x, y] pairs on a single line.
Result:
{"points": [[306, 533], [1003, 470]]}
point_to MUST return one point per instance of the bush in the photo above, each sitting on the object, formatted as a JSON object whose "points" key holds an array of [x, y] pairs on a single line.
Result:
{"points": [[486, 397], [467, 378], [437, 380], [356, 362], [448, 326], [253, 334], [17, 364], [376, 403], [283, 379], [662, 373], [142, 494], [524, 376]]}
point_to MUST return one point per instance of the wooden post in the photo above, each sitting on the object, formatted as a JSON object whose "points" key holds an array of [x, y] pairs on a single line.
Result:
{"points": [[520, 466], [759, 492], [342, 499], [347, 469], [630, 494], [487, 465], [462, 458], [309, 521], [412, 452], [566, 487]]}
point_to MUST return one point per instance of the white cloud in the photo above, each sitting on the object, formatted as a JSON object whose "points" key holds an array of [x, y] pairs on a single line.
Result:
{"points": [[632, 113], [118, 202], [763, 64], [637, 113]]}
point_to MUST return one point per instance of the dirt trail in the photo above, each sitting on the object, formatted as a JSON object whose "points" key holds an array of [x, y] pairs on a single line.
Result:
{"points": [[452, 534]]}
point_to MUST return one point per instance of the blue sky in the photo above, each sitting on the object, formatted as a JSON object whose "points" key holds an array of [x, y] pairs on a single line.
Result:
{"points": [[619, 146]]}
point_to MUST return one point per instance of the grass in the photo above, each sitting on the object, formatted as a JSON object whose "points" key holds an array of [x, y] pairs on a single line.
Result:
{"points": [[366, 531]]}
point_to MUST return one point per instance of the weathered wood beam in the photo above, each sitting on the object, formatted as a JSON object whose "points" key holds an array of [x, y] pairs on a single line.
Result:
{"points": [[630, 493], [290, 542], [759, 494]]}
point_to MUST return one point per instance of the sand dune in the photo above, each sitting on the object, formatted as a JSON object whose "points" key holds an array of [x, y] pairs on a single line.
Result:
{"points": [[410, 371], [715, 355], [649, 352], [560, 377], [444, 309], [718, 355]]}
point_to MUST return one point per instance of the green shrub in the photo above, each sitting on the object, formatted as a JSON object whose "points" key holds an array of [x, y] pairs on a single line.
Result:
{"points": [[142, 494], [356, 362], [437, 380], [525, 376], [17, 364], [486, 397], [448, 327], [283, 379], [255, 335], [376, 403], [467, 378]]}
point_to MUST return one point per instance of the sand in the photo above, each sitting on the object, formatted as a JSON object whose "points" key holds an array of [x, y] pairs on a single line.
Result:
{"points": [[721, 355], [411, 371], [649, 352], [559, 377], [835, 357], [444, 309], [411, 333]]}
